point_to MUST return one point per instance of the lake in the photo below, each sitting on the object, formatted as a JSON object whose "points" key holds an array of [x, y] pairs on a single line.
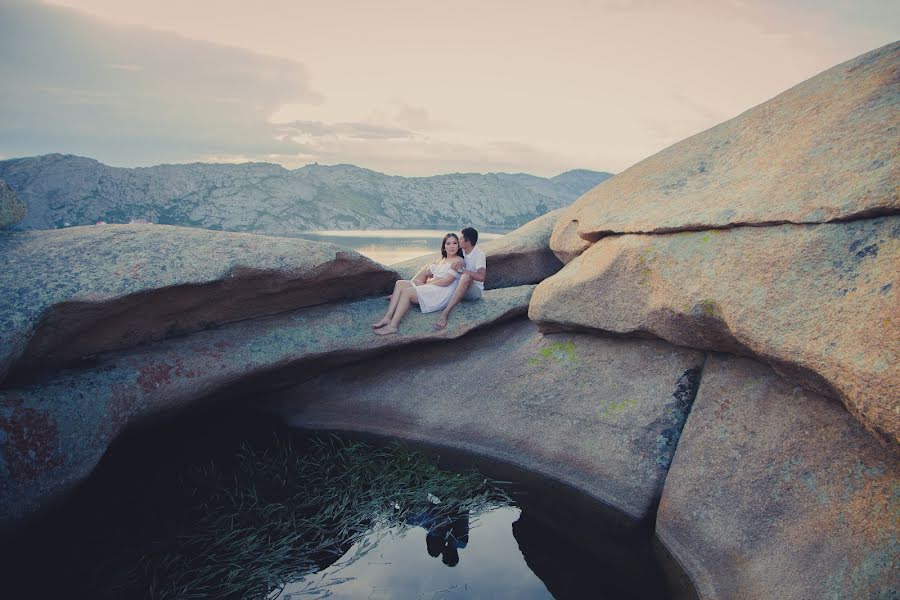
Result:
{"points": [[390, 246]]}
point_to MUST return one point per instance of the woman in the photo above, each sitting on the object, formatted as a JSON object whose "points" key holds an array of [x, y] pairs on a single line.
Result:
{"points": [[430, 289]]}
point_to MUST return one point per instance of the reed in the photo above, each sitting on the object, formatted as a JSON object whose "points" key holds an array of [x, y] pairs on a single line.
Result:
{"points": [[278, 513]]}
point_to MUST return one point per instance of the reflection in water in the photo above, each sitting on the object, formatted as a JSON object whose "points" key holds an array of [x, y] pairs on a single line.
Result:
{"points": [[485, 561], [148, 508], [445, 539]]}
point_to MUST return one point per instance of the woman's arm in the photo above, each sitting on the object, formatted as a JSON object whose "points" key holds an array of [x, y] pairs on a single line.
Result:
{"points": [[443, 281], [422, 276], [451, 277]]}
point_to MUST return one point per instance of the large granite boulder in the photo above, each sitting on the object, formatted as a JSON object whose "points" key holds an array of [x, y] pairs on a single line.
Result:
{"points": [[825, 150], [600, 414], [818, 302], [12, 210], [520, 257], [53, 433], [776, 492], [79, 291]]}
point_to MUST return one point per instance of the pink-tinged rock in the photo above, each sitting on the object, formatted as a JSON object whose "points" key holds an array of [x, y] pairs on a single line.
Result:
{"points": [[777, 492], [12, 210], [600, 414], [817, 302], [824, 150], [521, 257], [80, 291]]}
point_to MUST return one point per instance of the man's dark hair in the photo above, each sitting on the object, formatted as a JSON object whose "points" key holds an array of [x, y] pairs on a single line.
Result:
{"points": [[470, 234]]}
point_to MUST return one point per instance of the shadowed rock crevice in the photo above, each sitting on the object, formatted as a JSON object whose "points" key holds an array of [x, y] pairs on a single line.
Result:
{"points": [[859, 216], [671, 425], [678, 408]]}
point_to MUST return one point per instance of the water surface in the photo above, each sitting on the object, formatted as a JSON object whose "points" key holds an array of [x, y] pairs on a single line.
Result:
{"points": [[142, 520], [390, 246]]}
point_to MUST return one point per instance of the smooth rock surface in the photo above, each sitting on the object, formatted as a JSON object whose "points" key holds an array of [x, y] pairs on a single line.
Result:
{"points": [[824, 150], [600, 414], [520, 257], [12, 210], [776, 492], [78, 291], [818, 302], [53, 433]]}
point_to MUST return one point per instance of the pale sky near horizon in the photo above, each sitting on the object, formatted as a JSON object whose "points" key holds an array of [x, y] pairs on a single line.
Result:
{"points": [[405, 87]]}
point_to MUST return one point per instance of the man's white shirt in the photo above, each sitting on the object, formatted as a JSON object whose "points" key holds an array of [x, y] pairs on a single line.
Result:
{"points": [[475, 260]]}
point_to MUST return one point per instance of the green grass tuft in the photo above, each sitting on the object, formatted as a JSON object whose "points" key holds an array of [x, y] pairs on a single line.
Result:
{"points": [[282, 513]]}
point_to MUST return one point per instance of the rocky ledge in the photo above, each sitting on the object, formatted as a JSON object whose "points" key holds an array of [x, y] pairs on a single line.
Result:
{"points": [[80, 291], [54, 432]]}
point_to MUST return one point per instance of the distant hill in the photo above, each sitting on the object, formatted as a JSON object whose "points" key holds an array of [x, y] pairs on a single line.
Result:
{"points": [[63, 190]]}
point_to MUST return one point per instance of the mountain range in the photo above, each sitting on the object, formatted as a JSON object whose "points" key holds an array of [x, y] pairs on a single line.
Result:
{"points": [[66, 190]]}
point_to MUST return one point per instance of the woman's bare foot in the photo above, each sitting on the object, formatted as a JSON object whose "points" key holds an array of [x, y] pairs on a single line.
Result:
{"points": [[380, 323], [386, 330], [441, 322]]}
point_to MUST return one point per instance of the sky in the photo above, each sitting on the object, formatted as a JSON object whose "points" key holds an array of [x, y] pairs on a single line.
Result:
{"points": [[411, 88]]}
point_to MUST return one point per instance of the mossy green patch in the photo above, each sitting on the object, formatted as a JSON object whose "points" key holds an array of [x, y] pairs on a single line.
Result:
{"points": [[560, 352], [616, 408], [707, 307]]}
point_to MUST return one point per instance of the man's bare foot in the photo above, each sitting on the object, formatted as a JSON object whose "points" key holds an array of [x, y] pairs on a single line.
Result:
{"points": [[386, 330], [441, 322], [380, 323]]}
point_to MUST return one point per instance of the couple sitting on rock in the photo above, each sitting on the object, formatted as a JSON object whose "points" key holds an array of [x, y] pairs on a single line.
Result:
{"points": [[458, 275]]}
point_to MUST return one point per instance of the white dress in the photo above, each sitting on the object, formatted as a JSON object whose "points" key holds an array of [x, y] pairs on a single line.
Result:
{"points": [[435, 297]]}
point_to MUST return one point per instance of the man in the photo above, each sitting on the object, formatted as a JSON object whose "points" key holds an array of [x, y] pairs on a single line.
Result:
{"points": [[471, 276]]}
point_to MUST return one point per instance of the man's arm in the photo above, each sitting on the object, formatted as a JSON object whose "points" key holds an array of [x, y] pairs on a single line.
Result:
{"points": [[480, 269], [476, 275]]}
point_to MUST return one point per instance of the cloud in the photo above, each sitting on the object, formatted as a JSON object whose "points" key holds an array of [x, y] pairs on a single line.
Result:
{"points": [[418, 155], [135, 96], [398, 138], [363, 131]]}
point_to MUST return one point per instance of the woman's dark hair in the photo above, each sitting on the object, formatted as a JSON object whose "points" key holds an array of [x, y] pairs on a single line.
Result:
{"points": [[444, 241]]}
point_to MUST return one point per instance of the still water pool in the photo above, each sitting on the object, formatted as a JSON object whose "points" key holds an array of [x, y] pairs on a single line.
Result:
{"points": [[228, 506]]}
